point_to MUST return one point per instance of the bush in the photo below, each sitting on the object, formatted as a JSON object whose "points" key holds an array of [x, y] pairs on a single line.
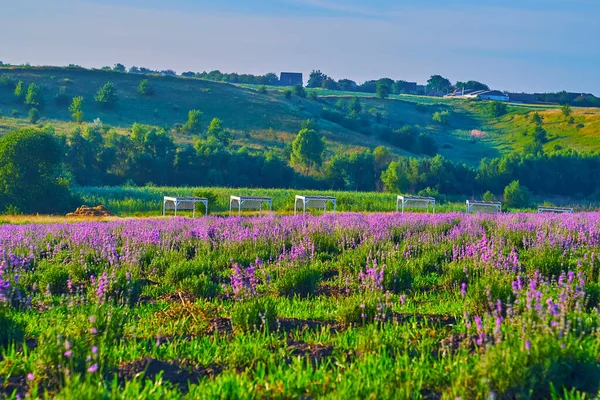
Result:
{"points": [[254, 314], [54, 277], [443, 118], [299, 91], [262, 89], [107, 95], [34, 115], [287, 93], [302, 281], [144, 89], [497, 108], [517, 196], [193, 122], [34, 96]]}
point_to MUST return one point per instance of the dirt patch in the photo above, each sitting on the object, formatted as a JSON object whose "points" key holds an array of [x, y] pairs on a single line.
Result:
{"points": [[293, 324], [85, 211], [444, 320], [461, 341], [173, 372], [14, 384], [315, 352]]}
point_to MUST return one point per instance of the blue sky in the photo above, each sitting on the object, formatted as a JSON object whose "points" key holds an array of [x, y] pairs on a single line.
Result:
{"points": [[525, 45]]}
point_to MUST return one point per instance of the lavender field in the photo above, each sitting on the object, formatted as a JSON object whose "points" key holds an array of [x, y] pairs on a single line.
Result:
{"points": [[347, 306]]}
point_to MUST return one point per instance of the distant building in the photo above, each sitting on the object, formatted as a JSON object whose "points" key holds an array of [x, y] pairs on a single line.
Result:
{"points": [[479, 94], [291, 79]]}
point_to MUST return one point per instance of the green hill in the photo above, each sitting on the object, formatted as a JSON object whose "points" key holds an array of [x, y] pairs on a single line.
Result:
{"points": [[270, 120]]}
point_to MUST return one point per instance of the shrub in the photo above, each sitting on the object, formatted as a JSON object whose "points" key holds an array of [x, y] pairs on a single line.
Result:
{"points": [[34, 97], [299, 91], [302, 281], [76, 109], [19, 92], [193, 122], [54, 277], [144, 89], [262, 89], [287, 93], [517, 196], [34, 115], [254, 314], [106, 96], [443, 118], [497, 108]]}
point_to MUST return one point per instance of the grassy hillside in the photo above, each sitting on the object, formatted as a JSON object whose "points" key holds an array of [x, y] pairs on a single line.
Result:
{"points": [[270, 120]]}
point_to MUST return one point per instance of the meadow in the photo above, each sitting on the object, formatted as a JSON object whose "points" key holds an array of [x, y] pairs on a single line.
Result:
{"points": [[265, 119], [147, 201], [346, 306]]}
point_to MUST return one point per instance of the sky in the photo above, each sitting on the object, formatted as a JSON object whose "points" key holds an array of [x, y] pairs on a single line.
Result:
{"points": [[514, 45]]}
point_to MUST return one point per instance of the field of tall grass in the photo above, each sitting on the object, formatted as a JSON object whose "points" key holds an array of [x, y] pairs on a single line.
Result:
{"points": [[149, 200]]}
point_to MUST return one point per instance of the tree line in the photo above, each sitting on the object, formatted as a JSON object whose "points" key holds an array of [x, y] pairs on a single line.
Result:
{"points": [[37, 166]]}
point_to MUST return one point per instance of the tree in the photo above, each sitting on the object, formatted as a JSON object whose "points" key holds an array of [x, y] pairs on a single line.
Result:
{"points": [[307, 149], [471, 85], [119, 67], [107, 95], [315, 79], [347, 85], [536, 118], [438, 83], [517, 196], [488, 196], [383, 90], [193, 123], [76, 109], [566, 110], [224, 136], [34, 96], [539, 135], [144, 88], [497, 108], [34, 115], [29, 172], [19, 92]]}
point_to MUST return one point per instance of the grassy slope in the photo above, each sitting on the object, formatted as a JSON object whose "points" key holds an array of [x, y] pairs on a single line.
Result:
{"points": [[257, 120], [268, 120]]}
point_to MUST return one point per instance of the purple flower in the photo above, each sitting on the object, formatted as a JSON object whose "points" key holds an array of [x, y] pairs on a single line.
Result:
{"points": [[30, 377], [68, 353], [463, 290], [527, 345], [93, 368], [94, 349]]}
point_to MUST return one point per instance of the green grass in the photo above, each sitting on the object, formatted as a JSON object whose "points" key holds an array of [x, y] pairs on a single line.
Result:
{"points": [[146, 201], [265, 121]]}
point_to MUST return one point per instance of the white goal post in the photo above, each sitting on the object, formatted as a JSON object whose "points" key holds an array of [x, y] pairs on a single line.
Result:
{"points": [[249, 202], [313, 202], [555, 210], [183, 203], [484, 206], [403, 202]]}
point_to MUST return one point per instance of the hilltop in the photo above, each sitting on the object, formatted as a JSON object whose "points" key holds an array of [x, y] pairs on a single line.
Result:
{"points": [[263, 118]]}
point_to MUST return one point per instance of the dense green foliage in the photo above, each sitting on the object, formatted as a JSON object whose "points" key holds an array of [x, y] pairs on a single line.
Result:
{"points": [[29, 173]]}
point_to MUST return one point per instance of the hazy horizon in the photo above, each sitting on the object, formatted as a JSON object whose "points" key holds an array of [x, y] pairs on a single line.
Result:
{"points": [[528, 46]]}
